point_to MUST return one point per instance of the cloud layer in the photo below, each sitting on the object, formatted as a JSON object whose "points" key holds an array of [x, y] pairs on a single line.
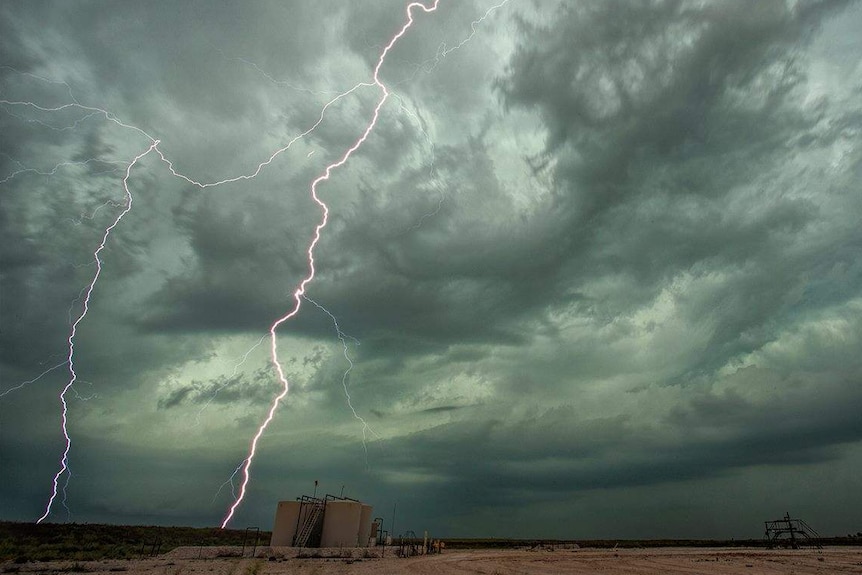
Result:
{"points": [[600, 261]]}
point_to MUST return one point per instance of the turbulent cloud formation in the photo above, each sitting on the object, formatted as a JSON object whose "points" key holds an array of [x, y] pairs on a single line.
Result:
{"points": [[601, 263]]}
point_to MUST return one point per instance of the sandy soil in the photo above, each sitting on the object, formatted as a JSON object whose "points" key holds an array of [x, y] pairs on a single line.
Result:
{"points": [[209, 561]]}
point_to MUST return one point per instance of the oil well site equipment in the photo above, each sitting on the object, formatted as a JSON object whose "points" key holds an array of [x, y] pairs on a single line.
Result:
{"points": [[330, 521], [791, 532]]}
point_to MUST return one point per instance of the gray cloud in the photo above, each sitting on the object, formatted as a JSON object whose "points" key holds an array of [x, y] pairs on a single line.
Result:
{"points": [[600, 257]]}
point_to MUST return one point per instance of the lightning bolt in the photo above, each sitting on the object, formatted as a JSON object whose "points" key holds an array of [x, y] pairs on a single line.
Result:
{"points": [[342, 337], [443, 51], [300, 291], [88, 290], [50, 172], [228, 481], [274, 155], [34, 380], [70, 359], [432, 168]]}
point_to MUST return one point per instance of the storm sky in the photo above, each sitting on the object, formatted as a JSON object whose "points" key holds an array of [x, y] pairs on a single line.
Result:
{"points": [[598, 267]]}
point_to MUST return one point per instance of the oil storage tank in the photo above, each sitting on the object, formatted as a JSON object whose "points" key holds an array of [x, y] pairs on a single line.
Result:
{"points": [[365, 525], [341, 522], [286, 519]]}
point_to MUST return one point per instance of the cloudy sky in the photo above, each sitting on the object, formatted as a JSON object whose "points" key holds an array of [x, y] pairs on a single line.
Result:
{"points": [[597, 268]]}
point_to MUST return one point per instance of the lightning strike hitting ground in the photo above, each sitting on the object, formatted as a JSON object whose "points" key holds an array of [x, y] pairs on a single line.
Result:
{"points": [[70, 360], [297, 296], [299, 293], [87, 290]]}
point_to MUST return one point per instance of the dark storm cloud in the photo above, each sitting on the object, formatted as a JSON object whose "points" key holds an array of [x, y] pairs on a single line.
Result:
{"points": [[559, 453], [656, 115], [257, 387], [647, 137], [605, 250], [39, 231], [646, 198]]}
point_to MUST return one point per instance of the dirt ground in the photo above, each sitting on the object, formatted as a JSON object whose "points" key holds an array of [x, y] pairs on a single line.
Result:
{"points": [[282, 561]]}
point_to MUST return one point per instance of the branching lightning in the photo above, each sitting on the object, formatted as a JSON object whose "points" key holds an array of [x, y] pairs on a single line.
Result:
{"points": [[343, 337], [432, 168], [244, 468], [34, 380], [300, 291], [87, 290], [52, 171], [228, 481], [274, 155], [443, 50], [70, 359]]}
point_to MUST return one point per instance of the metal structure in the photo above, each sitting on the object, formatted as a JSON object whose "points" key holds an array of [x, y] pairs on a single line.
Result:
{"points": [[311, 511], [245, 538], [408, 545], [152, 548], [331, 521], [791, 532]]}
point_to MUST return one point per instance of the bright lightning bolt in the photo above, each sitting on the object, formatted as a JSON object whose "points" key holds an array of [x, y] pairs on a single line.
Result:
{"points": [[300, 291], [70, 359], [88, 290]]}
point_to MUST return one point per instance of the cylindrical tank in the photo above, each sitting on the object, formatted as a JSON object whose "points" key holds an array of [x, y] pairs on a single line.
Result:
{"points": [[286, 516], [341, 524], [365, 525]]}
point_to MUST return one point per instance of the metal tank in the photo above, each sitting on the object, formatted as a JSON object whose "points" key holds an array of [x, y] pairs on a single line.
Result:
{"points": [[286, 518], [341, 524], [365, 525]]}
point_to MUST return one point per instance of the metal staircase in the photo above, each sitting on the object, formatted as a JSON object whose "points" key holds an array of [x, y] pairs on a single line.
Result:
{"points": [[312, 524]]}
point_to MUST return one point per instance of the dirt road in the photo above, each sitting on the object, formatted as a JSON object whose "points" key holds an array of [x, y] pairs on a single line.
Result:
{"points": [[708, 561]]}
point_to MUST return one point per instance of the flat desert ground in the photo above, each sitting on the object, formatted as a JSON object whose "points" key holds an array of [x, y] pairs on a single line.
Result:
{"points": [[207, 561]]}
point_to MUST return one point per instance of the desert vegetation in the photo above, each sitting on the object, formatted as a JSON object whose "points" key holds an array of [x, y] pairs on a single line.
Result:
{"points": [[23, 542]]}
